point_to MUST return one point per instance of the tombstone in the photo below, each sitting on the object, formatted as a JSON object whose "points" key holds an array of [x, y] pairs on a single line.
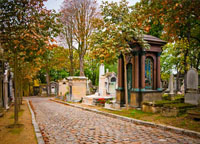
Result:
{"points": [[171, 85], [101, 80], [192, 80], [102, 86], [175, 84], [192, 96]]}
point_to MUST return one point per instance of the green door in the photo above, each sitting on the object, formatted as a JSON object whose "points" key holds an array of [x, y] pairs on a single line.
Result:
{"points": [[129, 80]]}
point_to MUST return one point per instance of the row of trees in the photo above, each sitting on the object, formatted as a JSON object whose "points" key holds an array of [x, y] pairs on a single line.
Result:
{"points": [[27, 34]]}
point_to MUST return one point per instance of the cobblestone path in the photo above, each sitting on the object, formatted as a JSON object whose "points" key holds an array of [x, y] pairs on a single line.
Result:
{"points": [[68, 125]]}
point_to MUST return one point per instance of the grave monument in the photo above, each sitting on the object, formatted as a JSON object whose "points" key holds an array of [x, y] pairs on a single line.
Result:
{"points": [[143, 73], [191, 95]]}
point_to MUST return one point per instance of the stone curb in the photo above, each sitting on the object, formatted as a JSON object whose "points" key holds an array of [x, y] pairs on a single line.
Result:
{"points": [[136, 121], [36, 127]]}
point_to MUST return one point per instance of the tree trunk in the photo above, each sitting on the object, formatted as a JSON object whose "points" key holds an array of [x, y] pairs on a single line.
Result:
{"points": [[125, 82], [48, 83], [15, 92], [71, 73], [21, 91], [81, 62]]}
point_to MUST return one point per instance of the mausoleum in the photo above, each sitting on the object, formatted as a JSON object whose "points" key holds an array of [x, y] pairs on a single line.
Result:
{"points": [[143, 73]]}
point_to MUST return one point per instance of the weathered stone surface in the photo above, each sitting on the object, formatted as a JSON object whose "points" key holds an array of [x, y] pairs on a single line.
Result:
{"points": [[66, 124], [192, 79], [192, 98]]}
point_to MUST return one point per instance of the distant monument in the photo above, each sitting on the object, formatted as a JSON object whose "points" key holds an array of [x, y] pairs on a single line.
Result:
{"points": [[192, 95], [102, 87], [171, 85]]}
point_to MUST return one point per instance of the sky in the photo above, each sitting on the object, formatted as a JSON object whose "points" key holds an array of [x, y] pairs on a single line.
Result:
{"points": [[55, 4]]}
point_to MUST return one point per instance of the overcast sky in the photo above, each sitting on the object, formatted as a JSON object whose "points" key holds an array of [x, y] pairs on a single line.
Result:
{"points": [[55, 4]]}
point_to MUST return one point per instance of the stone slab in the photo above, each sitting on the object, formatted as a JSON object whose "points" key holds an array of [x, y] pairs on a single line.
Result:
{"points": [[192, 98]]}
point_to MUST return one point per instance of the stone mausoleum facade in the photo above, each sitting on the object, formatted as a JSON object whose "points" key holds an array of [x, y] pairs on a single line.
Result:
{"points": [[143, 73]]}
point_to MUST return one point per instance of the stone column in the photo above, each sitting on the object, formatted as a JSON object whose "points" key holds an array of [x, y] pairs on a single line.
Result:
{"points": [[101, 73], [143, 71], [171, 85], [133, 71], [136, 76], [158, 71]]}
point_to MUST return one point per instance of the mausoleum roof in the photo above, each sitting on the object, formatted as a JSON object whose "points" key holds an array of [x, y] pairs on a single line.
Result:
{"points": [[153, 39]]}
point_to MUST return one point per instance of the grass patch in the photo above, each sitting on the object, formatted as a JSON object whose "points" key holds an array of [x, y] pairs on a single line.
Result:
{"points": [[15, 128], [129, 113], [179, 105], [19, 114], [181, 121]]}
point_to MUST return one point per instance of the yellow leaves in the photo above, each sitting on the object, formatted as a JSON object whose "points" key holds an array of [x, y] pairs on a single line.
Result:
{"points": [[147, 28], [101, 56]]}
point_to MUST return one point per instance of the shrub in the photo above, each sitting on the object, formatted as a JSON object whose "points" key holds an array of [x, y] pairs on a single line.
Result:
{"points": [[109, 101]]}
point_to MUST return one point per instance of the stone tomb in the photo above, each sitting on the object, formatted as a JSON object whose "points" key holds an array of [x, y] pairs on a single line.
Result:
{"points": [[54, 88], [143, 73], [77, 87], [191, 95], [110, 82], [63, 88]]}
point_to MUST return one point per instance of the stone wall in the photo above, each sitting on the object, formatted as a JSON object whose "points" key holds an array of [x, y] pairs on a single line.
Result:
{"points": [[135, 99], [151, 96], [63, 88], [192, 98], [120, 97]]}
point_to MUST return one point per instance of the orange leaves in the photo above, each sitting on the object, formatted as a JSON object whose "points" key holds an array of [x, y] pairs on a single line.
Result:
{"points": [[16, 42], [21, 46], [147, 28]]}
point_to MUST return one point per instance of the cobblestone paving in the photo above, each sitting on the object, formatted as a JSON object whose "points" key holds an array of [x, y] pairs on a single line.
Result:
{"points": [[68, 125]]}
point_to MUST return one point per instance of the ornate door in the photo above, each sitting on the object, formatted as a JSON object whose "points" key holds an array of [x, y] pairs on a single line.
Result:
{"points": [[129, 80]]}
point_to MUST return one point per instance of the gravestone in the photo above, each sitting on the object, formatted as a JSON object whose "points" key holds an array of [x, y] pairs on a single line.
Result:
{"points": [[171, 85], [191, 96], [192, 80]]}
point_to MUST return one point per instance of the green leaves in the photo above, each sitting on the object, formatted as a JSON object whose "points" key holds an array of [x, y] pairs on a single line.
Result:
{"points": [[115, 31]]}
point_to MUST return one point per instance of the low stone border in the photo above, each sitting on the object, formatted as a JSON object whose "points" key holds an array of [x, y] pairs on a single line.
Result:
{"points": [[136, 121], [36, 127]]}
